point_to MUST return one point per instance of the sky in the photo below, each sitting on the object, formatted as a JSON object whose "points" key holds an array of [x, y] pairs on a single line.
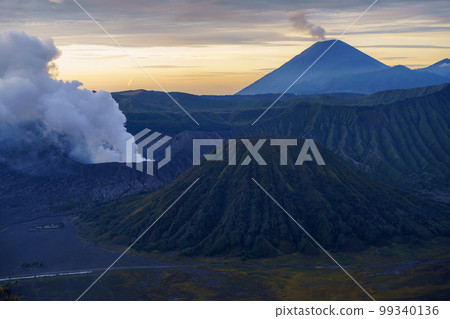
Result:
{"points": [[218, 46]]}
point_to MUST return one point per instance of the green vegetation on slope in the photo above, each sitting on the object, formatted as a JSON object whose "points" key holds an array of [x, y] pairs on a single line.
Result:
{"points": [[155, 110], [406, 143], [226, 213], [400, 136]]}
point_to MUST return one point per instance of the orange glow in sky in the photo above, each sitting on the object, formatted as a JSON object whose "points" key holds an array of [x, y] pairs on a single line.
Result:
{"points": [[219, 47]]}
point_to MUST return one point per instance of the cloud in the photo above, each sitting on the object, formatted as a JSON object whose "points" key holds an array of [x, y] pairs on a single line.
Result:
{"points": [[168, 66], [88, 126], [394, 58], [212, 22], [301, 23]]}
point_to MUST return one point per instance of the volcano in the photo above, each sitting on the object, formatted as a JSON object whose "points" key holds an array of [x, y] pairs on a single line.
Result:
{"points": [[337, 67], [341, 59], [226, 214]]}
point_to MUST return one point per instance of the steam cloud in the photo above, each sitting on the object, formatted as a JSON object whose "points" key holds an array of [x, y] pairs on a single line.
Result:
{"points": [[300, 22], [90, 125]]}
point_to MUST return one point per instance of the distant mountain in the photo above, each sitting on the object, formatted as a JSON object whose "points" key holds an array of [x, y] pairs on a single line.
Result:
{"points": [[155, 110], [226, 213], [441, 68], [344, 69], [397, 77], [341, 59]]}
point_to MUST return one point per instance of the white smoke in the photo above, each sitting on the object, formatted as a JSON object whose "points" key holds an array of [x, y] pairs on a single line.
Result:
{"points": [[90, 123], [300, 22]]}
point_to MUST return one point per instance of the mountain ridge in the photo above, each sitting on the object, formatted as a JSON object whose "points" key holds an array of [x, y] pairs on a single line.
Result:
{"points": [[404, 142], [441, 68], [329, 67], [225, 213]]}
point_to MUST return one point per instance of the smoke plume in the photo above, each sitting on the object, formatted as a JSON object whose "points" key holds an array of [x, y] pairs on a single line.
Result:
{"points": [[89, 126], [301, 23]]}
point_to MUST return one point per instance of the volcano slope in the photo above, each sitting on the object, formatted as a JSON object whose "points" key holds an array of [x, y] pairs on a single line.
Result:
{"points": [[226, 214], [405, 143]]}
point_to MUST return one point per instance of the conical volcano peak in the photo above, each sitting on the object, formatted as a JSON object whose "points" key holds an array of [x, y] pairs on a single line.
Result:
{"points": [[318, 64], [333, 42], [333, 66]]}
